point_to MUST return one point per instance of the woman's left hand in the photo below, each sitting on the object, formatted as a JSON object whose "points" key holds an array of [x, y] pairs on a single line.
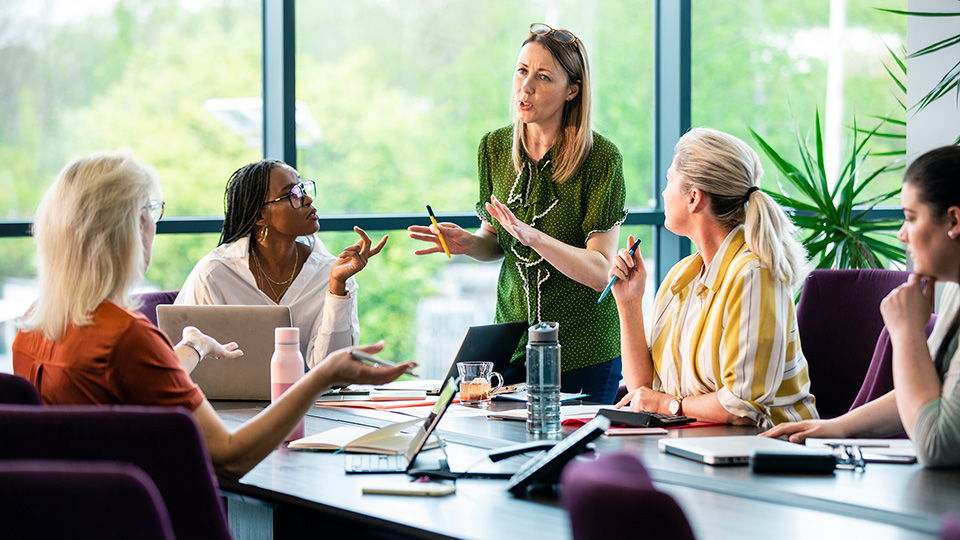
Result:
{"points": [[908, 307], [353, 259], [645, 399], [518, 229]]}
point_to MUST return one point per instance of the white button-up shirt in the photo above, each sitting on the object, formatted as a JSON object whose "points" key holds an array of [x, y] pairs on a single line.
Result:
{"points": [[223, 277]]}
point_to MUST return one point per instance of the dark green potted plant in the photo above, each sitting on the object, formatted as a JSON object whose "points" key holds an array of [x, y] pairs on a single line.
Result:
{"points": [[836, 228]]}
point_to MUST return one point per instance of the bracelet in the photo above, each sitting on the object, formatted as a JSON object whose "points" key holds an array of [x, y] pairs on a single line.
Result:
{"points": [[193, 346]]}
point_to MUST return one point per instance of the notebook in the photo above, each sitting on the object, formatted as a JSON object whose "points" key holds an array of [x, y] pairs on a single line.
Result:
{"points": [[252, 327], [729, 450], [488, 343], [378, 463]]}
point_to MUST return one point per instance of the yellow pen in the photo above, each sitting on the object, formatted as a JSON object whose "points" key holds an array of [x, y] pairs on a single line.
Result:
{"points": [[443, 242]]}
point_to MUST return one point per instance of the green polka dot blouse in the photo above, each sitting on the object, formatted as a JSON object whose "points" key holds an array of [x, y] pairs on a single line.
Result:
{"points": [[529, 287]]}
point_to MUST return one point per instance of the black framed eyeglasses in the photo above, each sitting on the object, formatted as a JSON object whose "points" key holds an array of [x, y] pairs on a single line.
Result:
{"points": [[156, 209], [297, 193], [563, 36]]}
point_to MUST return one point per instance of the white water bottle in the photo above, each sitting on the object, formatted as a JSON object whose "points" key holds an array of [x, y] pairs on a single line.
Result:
{"points": [[286, 368]]}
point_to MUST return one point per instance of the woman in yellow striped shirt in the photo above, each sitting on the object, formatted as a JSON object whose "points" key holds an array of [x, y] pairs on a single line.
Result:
{"points": [[724, 345]]}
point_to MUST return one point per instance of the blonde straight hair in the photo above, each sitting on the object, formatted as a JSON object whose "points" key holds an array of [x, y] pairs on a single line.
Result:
{"points": [[89, 242], [575, 139], [725, 168]]}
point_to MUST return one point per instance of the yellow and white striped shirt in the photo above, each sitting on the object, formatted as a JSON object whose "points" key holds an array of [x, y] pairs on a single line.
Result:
{"points": [[735, 335]]}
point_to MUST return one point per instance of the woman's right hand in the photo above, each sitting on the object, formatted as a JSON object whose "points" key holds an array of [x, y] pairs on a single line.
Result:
{"points": [[630, 272], [459, 241], [340, 368], [798, 432]]}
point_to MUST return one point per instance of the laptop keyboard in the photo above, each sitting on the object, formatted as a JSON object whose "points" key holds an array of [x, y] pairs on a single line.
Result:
{"points": [[375, 463]]}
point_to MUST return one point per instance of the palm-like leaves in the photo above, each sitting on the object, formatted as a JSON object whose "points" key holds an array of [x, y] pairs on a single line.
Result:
{"points": [[834, 220], [951, 79]]}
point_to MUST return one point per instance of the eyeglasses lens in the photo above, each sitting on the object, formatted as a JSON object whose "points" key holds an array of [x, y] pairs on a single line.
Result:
{"points": [[540, 29], [563, 36]]}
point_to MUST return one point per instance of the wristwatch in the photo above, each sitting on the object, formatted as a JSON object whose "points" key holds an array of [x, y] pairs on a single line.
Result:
{"points": [[676, 405]]}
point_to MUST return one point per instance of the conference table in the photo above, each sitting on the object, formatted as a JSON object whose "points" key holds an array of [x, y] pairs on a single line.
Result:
{"points": [[297, 494]]}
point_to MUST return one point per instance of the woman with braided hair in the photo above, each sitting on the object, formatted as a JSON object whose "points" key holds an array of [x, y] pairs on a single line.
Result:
{"points": [[268, 254], [724, 345]]}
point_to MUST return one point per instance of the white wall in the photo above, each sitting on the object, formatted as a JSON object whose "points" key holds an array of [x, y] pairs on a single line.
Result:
{"points": [[939, 123]]}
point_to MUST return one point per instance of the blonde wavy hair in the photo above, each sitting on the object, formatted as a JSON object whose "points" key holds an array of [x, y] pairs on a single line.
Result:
{"points": [[725, 168], [89, 243], [576, 132]]}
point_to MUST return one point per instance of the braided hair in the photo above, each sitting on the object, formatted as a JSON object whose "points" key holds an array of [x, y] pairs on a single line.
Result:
{"points": [[243, 199]]}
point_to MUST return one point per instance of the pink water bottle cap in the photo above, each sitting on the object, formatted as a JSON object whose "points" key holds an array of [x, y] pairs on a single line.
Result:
{"points": [[287, 336]]}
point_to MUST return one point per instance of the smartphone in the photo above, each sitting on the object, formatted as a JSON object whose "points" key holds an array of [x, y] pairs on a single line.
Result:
{"points": [[413, 489]]}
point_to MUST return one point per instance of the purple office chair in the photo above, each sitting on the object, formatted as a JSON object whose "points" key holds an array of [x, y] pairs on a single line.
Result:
{"points": [[839, 321], [14, 389], [80, 501], [879, 378], [950, 527], [163, 441], [149, 302], [610, 497]]}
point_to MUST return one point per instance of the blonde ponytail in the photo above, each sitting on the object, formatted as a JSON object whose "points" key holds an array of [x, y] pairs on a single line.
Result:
{"points": [[727, 169]]}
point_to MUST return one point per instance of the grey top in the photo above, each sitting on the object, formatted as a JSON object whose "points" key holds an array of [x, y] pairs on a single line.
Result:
{"points": [[936, 430]]}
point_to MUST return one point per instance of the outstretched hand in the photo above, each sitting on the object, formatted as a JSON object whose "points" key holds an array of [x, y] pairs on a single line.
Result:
{"points": [[518, 229], [352, 260], [798, 432], [211, 348], [342, 369]]}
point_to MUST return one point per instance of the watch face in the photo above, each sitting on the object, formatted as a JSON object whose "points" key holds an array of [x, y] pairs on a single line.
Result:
{"points": [[674, 406]]}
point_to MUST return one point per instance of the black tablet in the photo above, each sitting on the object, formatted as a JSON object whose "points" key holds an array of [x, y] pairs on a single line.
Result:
{"points": [[543, 471]]}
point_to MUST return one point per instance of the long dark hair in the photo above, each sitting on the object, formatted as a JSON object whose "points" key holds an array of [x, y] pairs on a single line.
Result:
{"points": [[243, 199], [936, 178]]}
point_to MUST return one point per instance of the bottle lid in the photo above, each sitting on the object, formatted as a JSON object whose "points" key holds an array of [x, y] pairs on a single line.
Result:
{"points": [[287, 336], [544, 332]]}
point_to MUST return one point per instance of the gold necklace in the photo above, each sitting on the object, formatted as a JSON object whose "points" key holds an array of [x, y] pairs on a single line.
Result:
{"points": [[285, 284], [293, 274]]}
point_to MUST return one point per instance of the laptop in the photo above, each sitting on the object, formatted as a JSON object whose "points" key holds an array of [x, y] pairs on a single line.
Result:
{"points": [[252, 327], [382, 463], [729, 450], [487, 343]]}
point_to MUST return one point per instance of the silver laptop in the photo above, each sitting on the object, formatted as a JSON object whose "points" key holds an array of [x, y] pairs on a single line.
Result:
{"points": [[729, 450], [252, 327]]}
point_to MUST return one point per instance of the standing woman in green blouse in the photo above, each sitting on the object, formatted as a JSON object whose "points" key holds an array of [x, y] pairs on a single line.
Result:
{"points": [[551, 205]]}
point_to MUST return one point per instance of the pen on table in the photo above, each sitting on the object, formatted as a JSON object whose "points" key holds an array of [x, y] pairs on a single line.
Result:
{"points": [[443, 242], [633, 248], [374, 361]]}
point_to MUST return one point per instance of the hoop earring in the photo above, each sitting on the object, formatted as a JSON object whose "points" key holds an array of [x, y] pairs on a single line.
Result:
{"points": [[262, 237]]}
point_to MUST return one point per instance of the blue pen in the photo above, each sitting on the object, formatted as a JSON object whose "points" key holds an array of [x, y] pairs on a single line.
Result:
{"points": [[614, 278]]}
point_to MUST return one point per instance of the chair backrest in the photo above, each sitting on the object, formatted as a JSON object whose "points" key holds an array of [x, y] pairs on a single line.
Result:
{"points": [[609, 497], [14, 389], [149, 302], [879, 378], [839, 320], [950, 527], [80, 501], [163, 441]]}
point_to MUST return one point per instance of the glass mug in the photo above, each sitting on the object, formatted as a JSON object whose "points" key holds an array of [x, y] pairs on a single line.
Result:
{"points": [[475, 387]]}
